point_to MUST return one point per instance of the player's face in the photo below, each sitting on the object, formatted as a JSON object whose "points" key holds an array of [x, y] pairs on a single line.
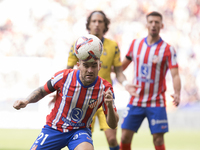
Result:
{"points": [[154, 24], [88, 71], [97, 24]]}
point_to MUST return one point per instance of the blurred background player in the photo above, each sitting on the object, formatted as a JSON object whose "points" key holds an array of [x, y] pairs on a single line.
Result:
{"points": [[69, 121], [97, 24], [152, 57]]}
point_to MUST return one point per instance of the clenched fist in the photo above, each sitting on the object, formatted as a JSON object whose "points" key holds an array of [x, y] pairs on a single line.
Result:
{"points": [[20, 104]]}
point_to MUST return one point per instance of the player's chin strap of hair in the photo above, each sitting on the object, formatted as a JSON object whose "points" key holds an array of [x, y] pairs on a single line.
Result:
{"points": [[124, 83]]}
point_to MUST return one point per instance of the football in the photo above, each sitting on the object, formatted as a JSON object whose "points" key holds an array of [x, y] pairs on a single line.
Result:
{"points": [[88, 48]]}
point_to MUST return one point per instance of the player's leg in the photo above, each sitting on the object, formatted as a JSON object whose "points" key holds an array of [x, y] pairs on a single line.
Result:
{"points": [[84, 146], [126, 139], [81, 140], [111, 138], [158, 124], [132, 119], [158, 140], [109, 133]]}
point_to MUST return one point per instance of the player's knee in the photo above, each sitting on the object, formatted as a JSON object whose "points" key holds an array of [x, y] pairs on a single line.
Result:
{"points": [[112, 141], [158, 139], [127, 136], [124, 139]]}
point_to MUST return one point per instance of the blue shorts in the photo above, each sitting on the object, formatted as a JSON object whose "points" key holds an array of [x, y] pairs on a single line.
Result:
{"points": [[157, 118], [52, 139]]}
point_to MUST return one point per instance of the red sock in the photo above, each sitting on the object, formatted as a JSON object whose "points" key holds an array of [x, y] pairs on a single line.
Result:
{"points": [[125, 146], [160, 147]]}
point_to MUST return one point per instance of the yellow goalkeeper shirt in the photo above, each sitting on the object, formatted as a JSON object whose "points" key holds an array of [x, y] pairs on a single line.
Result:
{"points": [[110, 57]]}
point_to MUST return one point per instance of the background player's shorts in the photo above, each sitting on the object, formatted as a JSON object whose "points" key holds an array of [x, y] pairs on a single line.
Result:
{"points": [[157, 118], [52, 139], [102, 120]]}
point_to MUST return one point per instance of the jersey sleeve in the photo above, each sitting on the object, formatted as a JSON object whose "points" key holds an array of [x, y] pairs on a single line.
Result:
{"points": [[172, 58], [105, 109], [54, 83], [72, 59], [117, 59]]}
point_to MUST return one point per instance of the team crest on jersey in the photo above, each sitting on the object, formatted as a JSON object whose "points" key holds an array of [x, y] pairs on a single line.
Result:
{"points": [[93, 103], [155, 59]]}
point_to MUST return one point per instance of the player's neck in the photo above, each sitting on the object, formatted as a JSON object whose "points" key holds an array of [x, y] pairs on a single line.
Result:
{"points": [[151, 40], [99, 36]]}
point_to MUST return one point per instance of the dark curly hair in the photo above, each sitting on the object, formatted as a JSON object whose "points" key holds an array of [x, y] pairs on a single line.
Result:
{"points": [[106, 20]]}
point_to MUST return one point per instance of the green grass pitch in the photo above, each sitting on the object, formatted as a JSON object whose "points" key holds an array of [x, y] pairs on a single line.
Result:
{"points": [[22, 139]]}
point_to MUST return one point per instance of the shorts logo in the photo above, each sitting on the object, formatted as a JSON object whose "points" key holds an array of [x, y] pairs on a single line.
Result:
{"points": [[89, 138], [154, 122], [75, 137], [93, 103], [163, 127]]}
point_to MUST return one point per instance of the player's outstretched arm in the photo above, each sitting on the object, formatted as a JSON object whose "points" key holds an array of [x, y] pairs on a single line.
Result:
{"points": [[121, 78], [177, 85], [35, 96], [112, 117]]}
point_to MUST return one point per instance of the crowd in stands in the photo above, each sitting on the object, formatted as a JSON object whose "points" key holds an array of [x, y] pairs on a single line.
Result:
{"points": [[47, 29]]}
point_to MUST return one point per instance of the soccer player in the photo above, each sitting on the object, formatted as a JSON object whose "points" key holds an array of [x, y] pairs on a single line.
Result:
{"points": [[97, 24], [80, 92], [152, 58]]}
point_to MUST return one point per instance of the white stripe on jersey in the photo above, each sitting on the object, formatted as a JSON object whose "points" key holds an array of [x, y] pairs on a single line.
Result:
{"points": [[73, 104], [135, 56], [147, 84], [56, 79], [100, 99], [86, 102], [173, 55], [157, 75], [62, 104]]}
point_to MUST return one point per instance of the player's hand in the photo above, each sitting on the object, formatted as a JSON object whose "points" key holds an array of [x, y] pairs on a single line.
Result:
{"points": [[176, 98], [20, 104], [132, 89], [108, 98]]}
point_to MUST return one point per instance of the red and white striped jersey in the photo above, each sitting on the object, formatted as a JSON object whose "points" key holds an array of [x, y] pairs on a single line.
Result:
{"points": [[75, 103], [151, 64]]}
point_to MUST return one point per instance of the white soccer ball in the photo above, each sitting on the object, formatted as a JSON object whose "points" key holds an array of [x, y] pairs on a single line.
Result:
{"points": [[88, 48]]}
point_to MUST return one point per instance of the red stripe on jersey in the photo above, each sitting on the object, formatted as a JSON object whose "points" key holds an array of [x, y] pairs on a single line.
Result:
{"points": [[143, 83], [153, 74], [130, 51], [137, 59], [162, 79], [68, 100], [59, 95], [94, 97]]}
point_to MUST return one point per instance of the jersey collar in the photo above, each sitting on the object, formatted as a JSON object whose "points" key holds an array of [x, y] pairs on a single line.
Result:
{"points": [[160, 40]]}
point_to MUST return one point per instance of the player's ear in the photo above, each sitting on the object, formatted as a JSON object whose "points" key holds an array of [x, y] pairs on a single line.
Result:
{"points": [[162, 26], [99, 65], [78, 64]]}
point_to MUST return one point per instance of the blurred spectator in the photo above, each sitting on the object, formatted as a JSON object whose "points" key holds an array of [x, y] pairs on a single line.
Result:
{"points": [[47, 28]]}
